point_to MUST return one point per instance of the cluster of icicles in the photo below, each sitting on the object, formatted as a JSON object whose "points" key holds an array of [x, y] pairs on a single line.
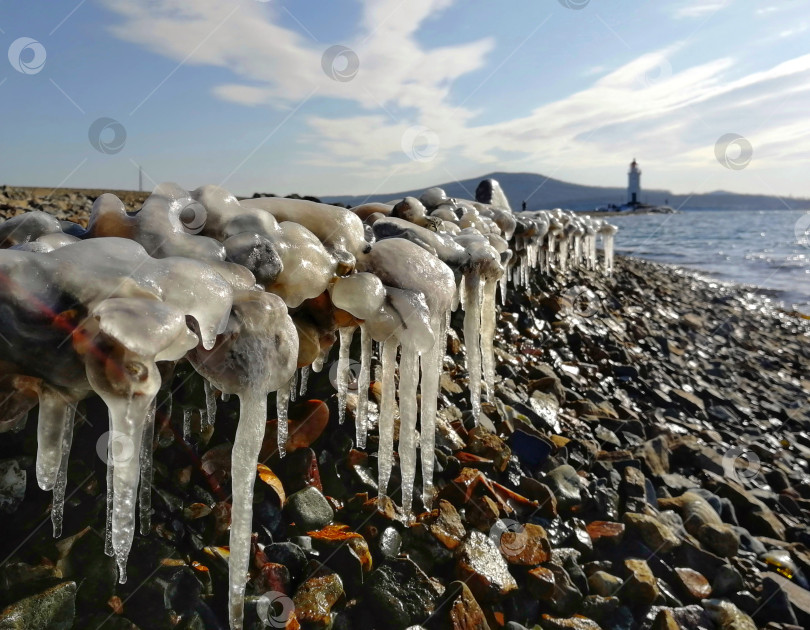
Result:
{"points": [[254, 293]]}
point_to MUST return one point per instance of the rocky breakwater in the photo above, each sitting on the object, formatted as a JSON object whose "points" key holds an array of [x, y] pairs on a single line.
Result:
{"points": [[587, 439]]}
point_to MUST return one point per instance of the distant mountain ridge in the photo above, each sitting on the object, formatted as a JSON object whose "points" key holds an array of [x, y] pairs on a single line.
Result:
{"points": [[543, 192]]}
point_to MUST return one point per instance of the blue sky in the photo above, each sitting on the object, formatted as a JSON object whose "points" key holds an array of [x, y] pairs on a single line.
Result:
{"points": [[253, 95]]}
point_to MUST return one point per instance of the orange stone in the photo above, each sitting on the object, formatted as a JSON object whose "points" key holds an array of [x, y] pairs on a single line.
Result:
{"points": [[541, 582], [607, 530]]}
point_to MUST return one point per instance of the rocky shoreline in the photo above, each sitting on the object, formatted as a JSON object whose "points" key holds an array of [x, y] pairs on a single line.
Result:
{"points": [[644, 465]]}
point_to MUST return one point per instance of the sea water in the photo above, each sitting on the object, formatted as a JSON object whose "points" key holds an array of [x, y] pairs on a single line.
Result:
{"points": [[755, 247]]}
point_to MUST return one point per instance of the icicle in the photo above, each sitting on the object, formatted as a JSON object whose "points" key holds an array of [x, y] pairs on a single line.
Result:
{"points": [[210, 403], [385, 453], [524, 270], [502, 283], [186, 423], [294, 386], [127, 418], [108, 536], [363, 383], [58, 509], [282, 402], [459, 295], [225, 397], [50, 436], [140, 379], [342, 376], [431, 363], [245, 455], [488, 315], [472, 331], [408, 382], [607, 244], [317, 364], [145, 489], [304, 379], [563, 259]]}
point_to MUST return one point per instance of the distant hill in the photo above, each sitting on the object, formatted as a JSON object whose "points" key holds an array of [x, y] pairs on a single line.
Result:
{"points": [[545, 192]]}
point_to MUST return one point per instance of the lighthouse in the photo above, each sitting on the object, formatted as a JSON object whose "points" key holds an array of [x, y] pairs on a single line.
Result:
{"points": [[634, 183]]}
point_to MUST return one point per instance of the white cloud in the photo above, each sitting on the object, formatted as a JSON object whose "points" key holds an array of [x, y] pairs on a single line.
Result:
{"points": [[676, 113], [702, 8], [793, 31]]}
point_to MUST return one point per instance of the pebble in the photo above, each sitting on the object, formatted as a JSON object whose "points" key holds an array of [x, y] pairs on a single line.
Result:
{"points": [[692, 584], [641, 586], [459, 610], [565, 484], [401, 593], [309, 509], [604, 584], [655, 534], [481, 566], [314, 600], [53, 607]]}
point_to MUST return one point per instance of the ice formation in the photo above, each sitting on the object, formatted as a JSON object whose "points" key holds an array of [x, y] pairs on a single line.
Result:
{"points": [[248, 292]]}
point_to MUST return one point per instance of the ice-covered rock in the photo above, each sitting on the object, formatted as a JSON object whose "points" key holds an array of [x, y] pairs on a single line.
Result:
{"points": [[248, 291]]}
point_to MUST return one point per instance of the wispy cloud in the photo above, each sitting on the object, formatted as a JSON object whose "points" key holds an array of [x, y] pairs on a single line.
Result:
{"points": [[792, 32], [676, 109], [701, 8]]}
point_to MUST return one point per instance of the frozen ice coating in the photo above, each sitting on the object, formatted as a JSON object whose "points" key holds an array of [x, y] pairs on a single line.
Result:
{"points": [[365, 210], [340, 230], [307, 267], [168, 224], [257, 349], [442, 246], [247, 292], [145, 327], [433, 197], [258, 254], [28, 227], [412, 210], [225, 216], [608, 233], [361, 294]]}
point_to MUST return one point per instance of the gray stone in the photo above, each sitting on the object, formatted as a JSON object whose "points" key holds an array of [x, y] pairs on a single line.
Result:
{"points": [[52, 609], [309, 509], [564, 482], [399, 592]]}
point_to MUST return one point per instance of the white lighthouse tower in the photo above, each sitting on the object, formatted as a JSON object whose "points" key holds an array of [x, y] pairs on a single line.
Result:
{"points": [[634, 184]]}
